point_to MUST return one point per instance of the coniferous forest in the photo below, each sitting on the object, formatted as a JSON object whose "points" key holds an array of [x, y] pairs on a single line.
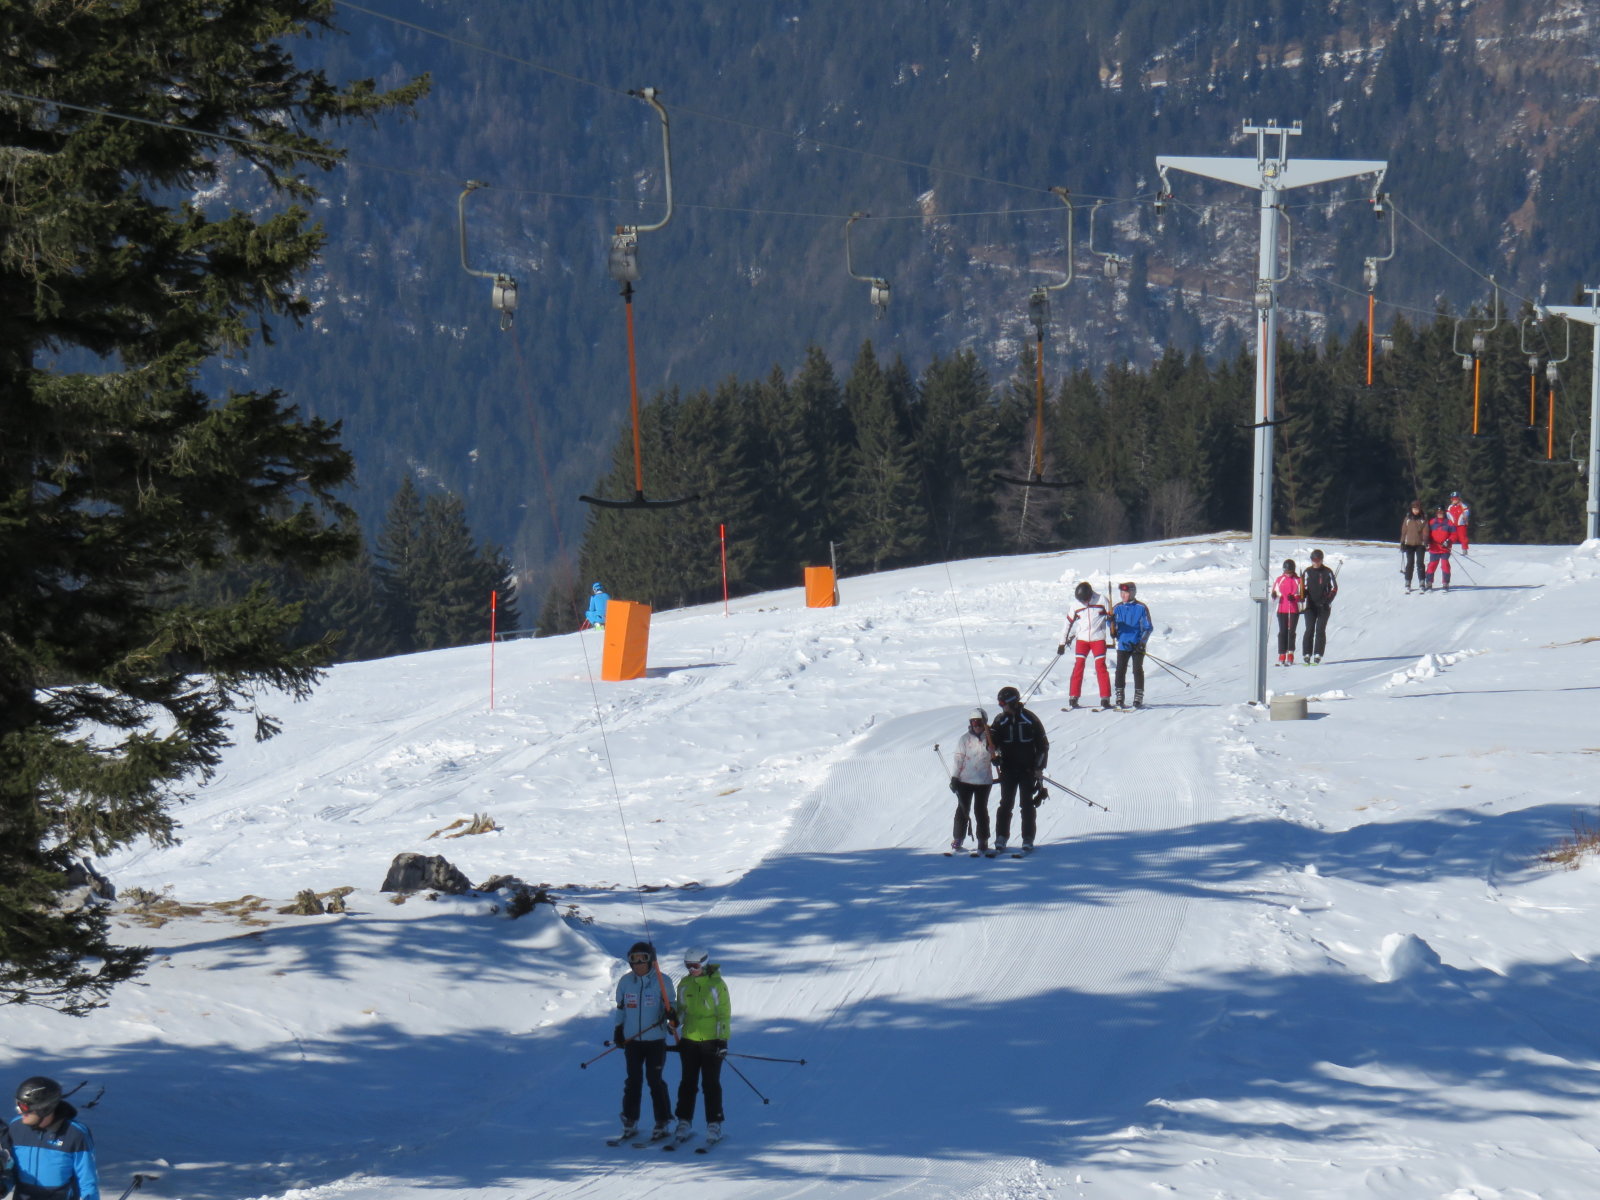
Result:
{"points": [[882, 465]]}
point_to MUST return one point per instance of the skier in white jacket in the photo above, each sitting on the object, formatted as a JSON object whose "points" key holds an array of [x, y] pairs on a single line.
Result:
{"points": [[1089, 627], [974, 776]]}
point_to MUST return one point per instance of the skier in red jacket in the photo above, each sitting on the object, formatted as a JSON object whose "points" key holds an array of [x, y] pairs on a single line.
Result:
{"points": [[1442, 534]]}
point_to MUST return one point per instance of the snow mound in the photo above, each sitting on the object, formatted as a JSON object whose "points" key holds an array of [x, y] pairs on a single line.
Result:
{"points": [[1428, 666], [1406, 956]]}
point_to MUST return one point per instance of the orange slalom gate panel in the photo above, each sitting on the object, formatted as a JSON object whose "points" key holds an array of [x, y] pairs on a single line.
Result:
{"points": [[820, 589], [627, 645]]}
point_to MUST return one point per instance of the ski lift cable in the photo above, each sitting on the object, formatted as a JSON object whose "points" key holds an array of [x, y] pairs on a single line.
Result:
{"points": [[342, 159], [754, 127], [616, 790], [1489, 279]]}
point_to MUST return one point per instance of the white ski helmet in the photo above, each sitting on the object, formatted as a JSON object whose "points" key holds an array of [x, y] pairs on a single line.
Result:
{"points": [[978, 714], [699, 956]]}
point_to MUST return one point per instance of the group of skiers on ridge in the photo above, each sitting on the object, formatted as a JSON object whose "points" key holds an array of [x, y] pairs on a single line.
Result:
{"points": [[1435, 536], [697, 1014], [46, 1152]]}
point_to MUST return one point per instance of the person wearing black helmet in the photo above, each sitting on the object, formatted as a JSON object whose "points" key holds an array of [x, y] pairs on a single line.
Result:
{"points": [[52, 1152], [644, 1018], [1022, 751], [1089, 627]]}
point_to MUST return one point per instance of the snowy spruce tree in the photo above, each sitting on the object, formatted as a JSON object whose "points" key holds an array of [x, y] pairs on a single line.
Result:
{"points": [[118, 471]]}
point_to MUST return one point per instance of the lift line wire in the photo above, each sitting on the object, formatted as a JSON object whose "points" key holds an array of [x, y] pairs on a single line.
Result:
{"points": [[340, 159], [788, 135], [332, 160], [616, 791]]}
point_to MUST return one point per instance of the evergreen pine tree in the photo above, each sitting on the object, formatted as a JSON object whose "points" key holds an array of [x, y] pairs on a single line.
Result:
{"points": [[118, 473], [883, 507]]}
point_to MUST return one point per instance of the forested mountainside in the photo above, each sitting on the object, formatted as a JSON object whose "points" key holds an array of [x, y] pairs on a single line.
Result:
{"points": [[949, 123]]}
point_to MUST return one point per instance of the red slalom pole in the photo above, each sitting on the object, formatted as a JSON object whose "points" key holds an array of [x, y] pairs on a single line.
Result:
{"points": [[722, 534], [494, 607]]}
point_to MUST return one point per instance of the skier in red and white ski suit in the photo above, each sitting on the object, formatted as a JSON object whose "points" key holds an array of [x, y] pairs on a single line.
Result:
{"points": [[1460, 516], [1090, 626]]}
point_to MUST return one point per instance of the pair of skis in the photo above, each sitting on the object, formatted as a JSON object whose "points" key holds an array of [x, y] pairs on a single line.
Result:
{"points": [[1021, 852], [672, 1141]]}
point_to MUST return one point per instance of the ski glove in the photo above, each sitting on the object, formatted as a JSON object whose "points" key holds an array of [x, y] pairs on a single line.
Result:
{"points": [[954, 782], [1062, 648], [719, 1048], [616, 1036]]}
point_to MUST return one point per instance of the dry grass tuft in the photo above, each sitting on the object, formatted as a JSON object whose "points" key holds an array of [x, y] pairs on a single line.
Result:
{"points": [[1570, 852]]}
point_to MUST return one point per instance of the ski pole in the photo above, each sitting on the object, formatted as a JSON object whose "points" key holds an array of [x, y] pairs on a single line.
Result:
{"points": [[1462, 567], [135, 1185], [584, 1066], [764, 1058], [1071, 792], [1174, 666], [748, 1084], [1038, 680], [1169, 670]]}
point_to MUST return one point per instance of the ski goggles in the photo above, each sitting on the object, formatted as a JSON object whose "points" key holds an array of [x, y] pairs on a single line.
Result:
{"points": [[688, 966], [638, 960]]}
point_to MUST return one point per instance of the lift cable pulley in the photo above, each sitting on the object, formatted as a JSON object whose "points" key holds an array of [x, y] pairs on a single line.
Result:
{"points": [[1474, 361], [1039, 314], [1552, 374], [623, 265], [1380, 207], [504, 295], [877, 286], [1113, 262]]}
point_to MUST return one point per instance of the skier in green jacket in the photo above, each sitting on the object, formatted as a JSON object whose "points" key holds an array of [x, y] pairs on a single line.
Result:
{"points": [[705, 1010]]}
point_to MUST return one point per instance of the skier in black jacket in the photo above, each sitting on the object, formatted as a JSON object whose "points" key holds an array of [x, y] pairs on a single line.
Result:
{"points": [[1319, 585], [1022, 751]]}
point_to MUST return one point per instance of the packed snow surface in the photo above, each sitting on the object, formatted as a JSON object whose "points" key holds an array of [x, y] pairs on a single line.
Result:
{"points": [[1306, 959]]}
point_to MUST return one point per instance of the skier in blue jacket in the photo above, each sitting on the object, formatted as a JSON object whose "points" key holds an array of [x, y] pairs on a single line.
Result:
{"points": [[1134, 628], [644, 1018], [595, 617], [52, 1152]]}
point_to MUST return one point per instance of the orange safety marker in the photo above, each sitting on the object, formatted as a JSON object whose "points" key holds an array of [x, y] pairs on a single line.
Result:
{"points": [[820, 589], [627, 644]]}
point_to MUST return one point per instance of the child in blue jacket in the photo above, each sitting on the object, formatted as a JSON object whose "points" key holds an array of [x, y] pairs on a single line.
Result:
{"points": [[1134, 628]]}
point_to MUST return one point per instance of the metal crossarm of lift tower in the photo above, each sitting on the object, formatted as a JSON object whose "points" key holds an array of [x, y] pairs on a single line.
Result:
{"points": [[1590, 316], [1270, 174]]}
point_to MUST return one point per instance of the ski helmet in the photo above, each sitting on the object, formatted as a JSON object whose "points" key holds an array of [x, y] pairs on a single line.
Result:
{"points": [[1316, 556], [1130, 587], [1288, 566], [641, 948], [1008, 695], [595, 586], [1455, 495], [38, 1094], [1083, 591], [978, 714], [697, 957]]}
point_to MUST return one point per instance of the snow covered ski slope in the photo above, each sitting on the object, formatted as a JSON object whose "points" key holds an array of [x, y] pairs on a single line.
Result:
{"points": [[1315, 959]]}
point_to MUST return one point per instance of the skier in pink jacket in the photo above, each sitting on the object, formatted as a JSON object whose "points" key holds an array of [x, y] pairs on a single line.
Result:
{"points": [[1290, 592]]}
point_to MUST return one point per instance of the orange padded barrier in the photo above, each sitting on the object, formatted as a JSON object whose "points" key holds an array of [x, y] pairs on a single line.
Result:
{"points": [[627, 641], [820, 589]]}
